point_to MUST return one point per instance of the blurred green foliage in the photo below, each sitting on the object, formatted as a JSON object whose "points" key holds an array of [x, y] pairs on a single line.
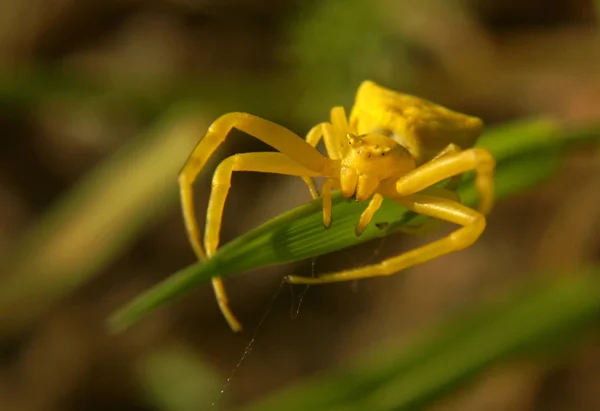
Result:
{"points": [[337, 44], [333, 45], [536, 320], [174, 378], [97, 220]]}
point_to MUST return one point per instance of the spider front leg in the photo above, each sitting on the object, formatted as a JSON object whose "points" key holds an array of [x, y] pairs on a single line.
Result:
{"points": [[313, 137], [441, 168], [472, 222], [270, 133], [432, 224], [448, 150], [367, 215], [327, 133], [330, 133], [259, 162], [275, 163]]}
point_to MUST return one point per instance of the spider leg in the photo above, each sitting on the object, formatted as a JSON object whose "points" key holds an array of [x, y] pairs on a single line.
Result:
{"points": [[430, 173], [367, 215], [327, 203], [335, 133], [312, 188], [315, 134], [270, 133], [334, 148], [313, 138], [269, 162], [331, 134], [472, 222], [340, 121], [450, 149], [432, 224]]}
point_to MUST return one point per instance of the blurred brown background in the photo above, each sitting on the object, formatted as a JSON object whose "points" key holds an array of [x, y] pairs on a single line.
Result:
{"points": [[81, 82]]}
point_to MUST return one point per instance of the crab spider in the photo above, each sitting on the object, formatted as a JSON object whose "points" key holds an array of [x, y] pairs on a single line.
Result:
{"points": [[393, 145]]}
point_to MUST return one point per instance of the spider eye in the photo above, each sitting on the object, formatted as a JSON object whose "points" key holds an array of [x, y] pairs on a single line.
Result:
{"points": [[353, 141]]}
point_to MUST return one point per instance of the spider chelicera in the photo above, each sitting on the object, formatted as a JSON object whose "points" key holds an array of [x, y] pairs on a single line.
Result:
{"points": [[394, 145]]}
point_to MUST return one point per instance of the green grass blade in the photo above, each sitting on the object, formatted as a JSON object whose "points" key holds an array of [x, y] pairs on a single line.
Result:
{"points": [[526, 152], [410, 376]]}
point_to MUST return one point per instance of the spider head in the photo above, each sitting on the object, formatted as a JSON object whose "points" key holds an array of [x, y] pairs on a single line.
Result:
{"points": [[369, 160]]}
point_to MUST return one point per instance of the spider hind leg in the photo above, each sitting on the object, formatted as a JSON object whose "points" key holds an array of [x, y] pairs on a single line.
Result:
{"points": [[472, 222]]}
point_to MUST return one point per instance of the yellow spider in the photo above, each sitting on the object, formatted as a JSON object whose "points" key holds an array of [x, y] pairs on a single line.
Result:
{"points": [[395, 146]]}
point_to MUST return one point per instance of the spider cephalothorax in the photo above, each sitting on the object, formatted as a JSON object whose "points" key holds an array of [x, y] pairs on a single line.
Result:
{"points": [[393, 145], [370, 160]]}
